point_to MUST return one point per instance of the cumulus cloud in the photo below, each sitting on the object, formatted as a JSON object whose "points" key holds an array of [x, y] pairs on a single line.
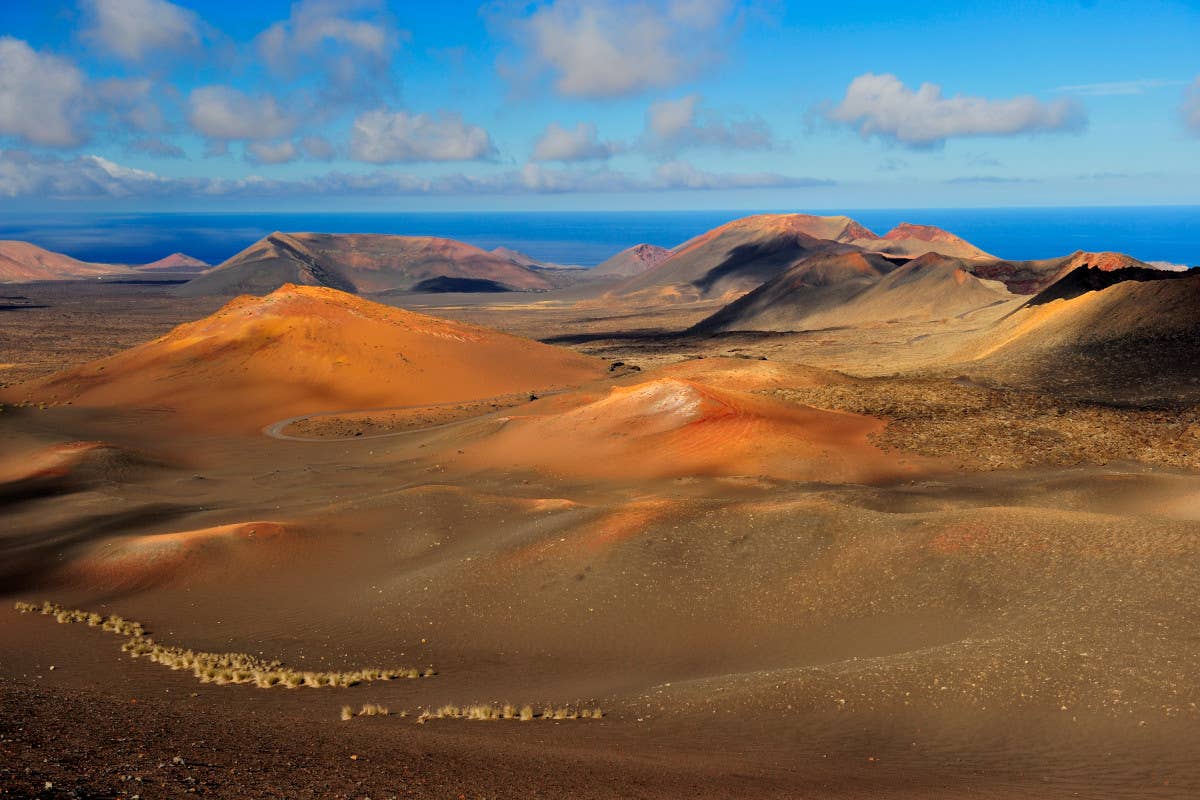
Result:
{"points": [[575, 144], [348, 43], [154, 146], [222, 113], [42, 96], [134, 29], [881, 105], [608, 48], [1191, 108], [673, 125], [388, 137], [26, 175], [271, 153]]}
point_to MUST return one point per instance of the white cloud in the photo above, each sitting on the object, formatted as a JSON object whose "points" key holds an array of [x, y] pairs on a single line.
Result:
{"points": [[673, 125], [271, 153], [24, 175], [575, 144], [1118, 87], [607, 48], [348, 43], [1191, 108], [224, 113], [42, 96], [881, 105], [134, 29], [317, 147], [387, 137]]}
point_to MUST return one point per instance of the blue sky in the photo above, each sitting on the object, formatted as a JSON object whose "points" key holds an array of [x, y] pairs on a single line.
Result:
{"points": [[366, 105]]}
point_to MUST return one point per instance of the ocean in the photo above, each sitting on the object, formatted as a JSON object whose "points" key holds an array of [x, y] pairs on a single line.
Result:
{"points": [[1157, 233]]}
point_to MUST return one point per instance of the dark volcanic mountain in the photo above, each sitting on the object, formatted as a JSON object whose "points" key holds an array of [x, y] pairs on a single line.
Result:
{"points": [[819, 283], [859, 289], [1031, 277], [359, 263]]}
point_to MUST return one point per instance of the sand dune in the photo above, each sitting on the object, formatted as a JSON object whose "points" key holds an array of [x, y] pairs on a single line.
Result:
{"points": [[308, 349], [365, 263], [672, 427], [21, 262]]}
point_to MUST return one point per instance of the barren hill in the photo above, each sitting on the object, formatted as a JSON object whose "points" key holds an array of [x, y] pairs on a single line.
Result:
{"points": [[737, 256], [1132, 342], [21, 262], [631, 261], [1031, 277], [745, 253], [907, 239], [305, 349], [816, 284], [669, 427], [176, 262], [359, 263], [859, 289]]}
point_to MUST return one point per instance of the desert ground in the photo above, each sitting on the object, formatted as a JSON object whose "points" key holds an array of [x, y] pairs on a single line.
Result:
{"points": [[940, 555]]}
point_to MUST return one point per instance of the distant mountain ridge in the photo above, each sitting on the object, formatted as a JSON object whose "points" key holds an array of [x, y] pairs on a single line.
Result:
{"points": [[741, 255], [361, 263], [21, 262]]}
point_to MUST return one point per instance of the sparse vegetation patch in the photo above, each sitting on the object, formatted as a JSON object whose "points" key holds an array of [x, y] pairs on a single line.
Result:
{"points": [[218, 668]]}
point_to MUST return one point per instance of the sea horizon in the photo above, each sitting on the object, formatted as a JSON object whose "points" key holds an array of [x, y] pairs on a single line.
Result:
{"points": [[1166, 233]]}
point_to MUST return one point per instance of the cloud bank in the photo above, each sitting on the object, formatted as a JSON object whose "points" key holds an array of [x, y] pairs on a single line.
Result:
{"points": [[23, 174]]}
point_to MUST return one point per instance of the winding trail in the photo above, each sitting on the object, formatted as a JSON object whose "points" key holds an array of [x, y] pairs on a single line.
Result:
{"points": [[276, 429]]}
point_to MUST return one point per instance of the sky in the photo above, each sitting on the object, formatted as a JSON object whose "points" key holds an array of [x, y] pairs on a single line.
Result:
{"points": [[144, 105]]}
